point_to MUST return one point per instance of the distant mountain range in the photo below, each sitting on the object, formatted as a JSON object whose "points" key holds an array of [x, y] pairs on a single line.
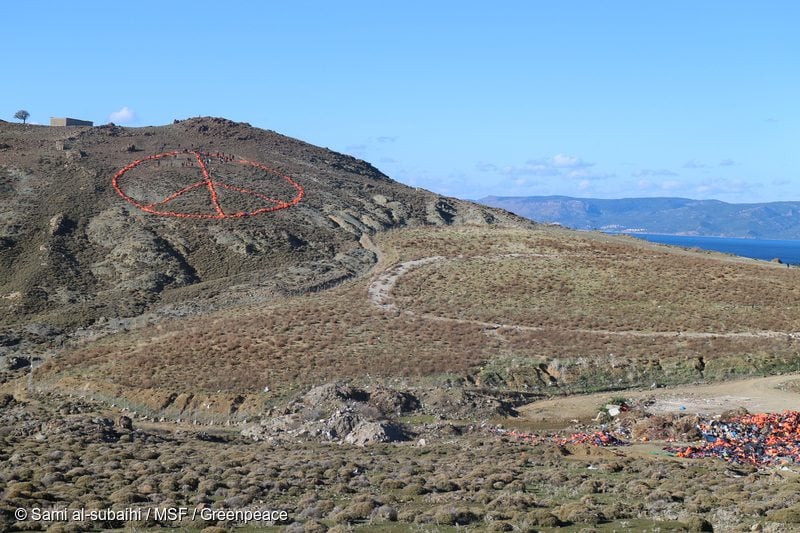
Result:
{"points": [[675, 216]]}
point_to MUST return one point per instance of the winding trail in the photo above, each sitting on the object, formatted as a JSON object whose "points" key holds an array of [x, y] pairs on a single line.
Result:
{"points": [[380, 294], [380, 290]]}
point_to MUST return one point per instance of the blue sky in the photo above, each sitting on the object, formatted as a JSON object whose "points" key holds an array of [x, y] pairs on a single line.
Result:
{"points": [[581, 98]]}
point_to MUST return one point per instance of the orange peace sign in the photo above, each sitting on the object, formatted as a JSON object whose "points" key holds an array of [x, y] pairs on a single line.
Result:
{"points": [[212, 186]]}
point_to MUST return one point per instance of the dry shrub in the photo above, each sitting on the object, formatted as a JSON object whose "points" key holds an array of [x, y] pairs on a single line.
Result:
{"points": [[667, 427], [540, 517], [384, 513], [450, 516], [390, 484], [126, 496], [517, 501], [414, 489], [442, 483], [354, 512], [500, 526], [698, 523], [579, 512]]}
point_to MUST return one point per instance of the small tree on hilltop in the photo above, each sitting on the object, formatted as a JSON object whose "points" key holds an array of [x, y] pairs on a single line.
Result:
{"points": [[22, 115]]}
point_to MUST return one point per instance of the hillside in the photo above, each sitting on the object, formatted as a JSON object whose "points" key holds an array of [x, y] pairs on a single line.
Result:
{"points": [[440, 360], [217, 318], [518, 309], [676, 216], [81, 250]]}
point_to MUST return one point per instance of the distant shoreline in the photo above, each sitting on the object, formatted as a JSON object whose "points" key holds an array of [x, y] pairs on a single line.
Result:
{"points": [[683, 235], [787, 250]]}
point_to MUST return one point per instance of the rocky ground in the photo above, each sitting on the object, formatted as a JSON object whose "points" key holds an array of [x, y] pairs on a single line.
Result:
{"points": [[77, 260]]}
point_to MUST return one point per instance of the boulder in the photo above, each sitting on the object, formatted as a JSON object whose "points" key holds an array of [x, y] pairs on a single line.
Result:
{"points": [[367, 433]]}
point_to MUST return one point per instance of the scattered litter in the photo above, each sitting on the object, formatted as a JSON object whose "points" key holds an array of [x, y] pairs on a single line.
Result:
{"points": [[760, 439], [598, 438]]}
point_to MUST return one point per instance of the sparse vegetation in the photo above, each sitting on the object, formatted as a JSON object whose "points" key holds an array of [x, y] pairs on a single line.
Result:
{"points": [[612, 287], [202, 335], [474, 482], [577, 339]]}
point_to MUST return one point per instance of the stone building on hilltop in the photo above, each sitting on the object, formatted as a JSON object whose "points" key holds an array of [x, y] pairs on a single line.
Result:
{"points": [[57, 121]]}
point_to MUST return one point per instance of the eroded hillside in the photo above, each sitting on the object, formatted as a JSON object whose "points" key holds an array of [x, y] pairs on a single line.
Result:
{"points": [[534, 311], [82, 255]]}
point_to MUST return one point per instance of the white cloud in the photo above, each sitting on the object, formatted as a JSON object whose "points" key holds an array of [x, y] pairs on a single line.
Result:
{"points": [[584, 174], [568, 161], [645, 172], [694, 163], [723, 186], [662, 186], [671, 185], [126, 115], [536, 167], [727, 163], [485, 167], [559, 165]]}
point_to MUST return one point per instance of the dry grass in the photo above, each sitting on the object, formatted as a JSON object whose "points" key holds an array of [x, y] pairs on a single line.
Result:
{"points": [[572, 282], [611, 287], [294, 343]]}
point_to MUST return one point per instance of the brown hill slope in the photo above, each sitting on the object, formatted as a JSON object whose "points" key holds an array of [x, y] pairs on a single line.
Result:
{"points": [[535, 311], [74, 253]]}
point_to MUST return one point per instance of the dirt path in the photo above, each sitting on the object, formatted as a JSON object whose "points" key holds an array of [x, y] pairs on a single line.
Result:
{"points": [[380, 294], [380, 290], [757, 395]]}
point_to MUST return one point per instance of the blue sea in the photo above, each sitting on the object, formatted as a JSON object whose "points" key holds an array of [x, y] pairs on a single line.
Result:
{"points": [[786, 251]]}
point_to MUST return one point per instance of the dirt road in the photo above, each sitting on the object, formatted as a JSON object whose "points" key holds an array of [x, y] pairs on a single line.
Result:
{"points": [[757, 395]]}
